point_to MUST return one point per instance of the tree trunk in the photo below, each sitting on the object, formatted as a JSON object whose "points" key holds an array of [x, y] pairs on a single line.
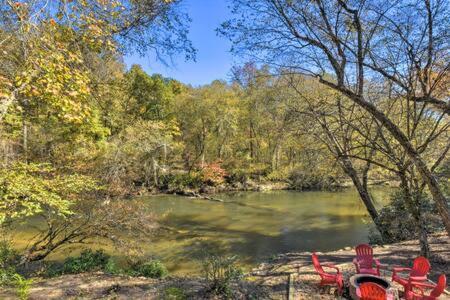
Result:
{"points": [[365, 196], [414, 208], [155, 172], [423, 238], [252, 154], [433, 186]]}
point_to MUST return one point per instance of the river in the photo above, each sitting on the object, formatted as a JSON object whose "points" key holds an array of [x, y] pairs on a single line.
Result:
{"points": [[252, 225], [257, 225]]}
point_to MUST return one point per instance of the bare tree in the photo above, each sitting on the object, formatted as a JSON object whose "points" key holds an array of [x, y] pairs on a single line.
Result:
{"points": [[346, 45]]}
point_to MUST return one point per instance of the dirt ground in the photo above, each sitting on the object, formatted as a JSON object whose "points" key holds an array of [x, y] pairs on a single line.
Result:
{"points": [[268, 281], [275, 273]]}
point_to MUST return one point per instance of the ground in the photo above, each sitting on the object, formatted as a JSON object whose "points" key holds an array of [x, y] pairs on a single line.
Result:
{"points": [[268, 281], [275, 274]]}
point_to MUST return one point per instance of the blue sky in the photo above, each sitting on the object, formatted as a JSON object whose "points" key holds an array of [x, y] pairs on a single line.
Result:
{"points": [[213, 58]]}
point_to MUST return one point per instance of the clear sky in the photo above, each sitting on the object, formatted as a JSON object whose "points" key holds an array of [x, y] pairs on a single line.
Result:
{"points": [[213, 58]]}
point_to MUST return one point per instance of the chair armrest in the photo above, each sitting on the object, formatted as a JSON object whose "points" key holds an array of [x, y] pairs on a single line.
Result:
{"points": [[328, 265], [401, 269], [421, 285], [417, 279]]}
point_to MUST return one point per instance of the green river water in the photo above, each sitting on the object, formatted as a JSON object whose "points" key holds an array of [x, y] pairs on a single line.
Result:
{"points": [[254, 225], [258, 225]]}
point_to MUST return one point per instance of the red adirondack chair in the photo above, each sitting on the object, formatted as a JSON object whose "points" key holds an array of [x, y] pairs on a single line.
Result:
{"points": [[364, 261], [417, 274], [437, 290], [328, 278], [371, 291]]}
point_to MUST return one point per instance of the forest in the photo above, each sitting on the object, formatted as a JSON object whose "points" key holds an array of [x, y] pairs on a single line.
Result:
{"points": [[331, 95]]}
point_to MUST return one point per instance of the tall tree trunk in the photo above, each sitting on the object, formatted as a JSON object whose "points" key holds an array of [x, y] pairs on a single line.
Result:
{"points": [[25, 130], [365, 196], [155, 172], [252, 154], [25, 139], [433, 186], [414, 209], [275, 158]]}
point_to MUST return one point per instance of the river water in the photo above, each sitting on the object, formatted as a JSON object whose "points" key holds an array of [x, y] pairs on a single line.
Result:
{"points": [[257, 225], [251, 225]]}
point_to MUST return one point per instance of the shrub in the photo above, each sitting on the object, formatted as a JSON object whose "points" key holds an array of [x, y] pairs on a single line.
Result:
{"points": [[152, 269], [22, 286], [174, 293], [8, 273], [8, 256], [112, 268], [181, 181], [213, 174], [237, 176], [278, 175], [398, 221], [87, 261], [300, 180], [258, 170], [220, 272]]}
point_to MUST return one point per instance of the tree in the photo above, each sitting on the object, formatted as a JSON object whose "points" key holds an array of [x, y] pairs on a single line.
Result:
{"points": [[59, 31], [139, 153], [336, 118], [359, 43], [30, 189], [150, 97], [208, 119], [120, 222], [54, 102]]}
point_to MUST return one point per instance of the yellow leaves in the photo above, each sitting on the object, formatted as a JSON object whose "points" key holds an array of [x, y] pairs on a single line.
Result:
{"points": [[28, 189]]}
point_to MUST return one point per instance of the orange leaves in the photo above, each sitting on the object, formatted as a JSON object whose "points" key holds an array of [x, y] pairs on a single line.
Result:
{"points": [[213, 173]]}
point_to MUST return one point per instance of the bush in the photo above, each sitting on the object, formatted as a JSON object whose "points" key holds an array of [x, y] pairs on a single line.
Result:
{"points": [[112, 268], [213, 174], [300, 180], [258, 170], [181, 181], [87, 261], [8, 256], [152, 269], [22, 285], [220, 272], [398, 221], [278, 175], [237, 176], [8, 272], [174, 293]]}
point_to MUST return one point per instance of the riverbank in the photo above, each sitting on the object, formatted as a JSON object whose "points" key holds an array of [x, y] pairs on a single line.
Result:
{"points": [[250, 186], [269, 280]]}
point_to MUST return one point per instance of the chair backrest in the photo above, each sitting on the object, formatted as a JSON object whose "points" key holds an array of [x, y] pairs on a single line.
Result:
{"points": [[371, 291], [421, 266], [316, 263], [440, 286], [364, 253]]}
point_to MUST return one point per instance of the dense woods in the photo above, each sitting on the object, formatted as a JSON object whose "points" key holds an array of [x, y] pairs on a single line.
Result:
{"points": [[334, 92]]}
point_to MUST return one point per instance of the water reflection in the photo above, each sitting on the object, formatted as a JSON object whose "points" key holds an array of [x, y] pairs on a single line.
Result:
{"points": [[257, 225]]}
